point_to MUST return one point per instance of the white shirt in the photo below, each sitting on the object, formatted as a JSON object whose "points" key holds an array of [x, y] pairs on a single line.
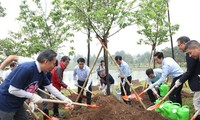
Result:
{"points": [[169, 68], [81, 74]]}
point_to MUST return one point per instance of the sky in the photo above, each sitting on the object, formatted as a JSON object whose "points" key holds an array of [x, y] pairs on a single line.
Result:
{"points": [[183, 12]]}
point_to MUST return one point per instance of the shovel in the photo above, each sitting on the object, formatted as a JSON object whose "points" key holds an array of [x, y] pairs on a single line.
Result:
{"points": [[48, 117], [159, 103], [139, 95], [82, 96], [85, 89], [125, 97], [51, 96], [195, 115], [28, 107], [73, 103]]}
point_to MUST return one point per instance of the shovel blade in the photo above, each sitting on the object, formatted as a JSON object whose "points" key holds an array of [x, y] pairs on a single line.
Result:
{"points": [[53, 118], [153, 107], [192, 118], [92, 106], [125, 98], [68, 108]]}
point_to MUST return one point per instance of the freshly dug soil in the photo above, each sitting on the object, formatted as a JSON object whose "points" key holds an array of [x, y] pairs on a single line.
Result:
{"points": [[110, 108]]}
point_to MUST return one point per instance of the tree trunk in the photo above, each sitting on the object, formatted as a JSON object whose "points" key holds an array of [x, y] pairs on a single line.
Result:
{"points": [[104, 41], [170, 32], [88, 46]]}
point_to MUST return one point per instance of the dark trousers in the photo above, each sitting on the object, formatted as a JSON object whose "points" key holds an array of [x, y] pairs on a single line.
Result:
{"points": [[152, 97], [126, 86], [55, 109], [20, 114], [88, 94], [175, 95]]}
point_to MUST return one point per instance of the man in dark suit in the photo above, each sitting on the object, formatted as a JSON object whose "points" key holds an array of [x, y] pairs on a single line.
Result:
{"points": [[193, 70]]}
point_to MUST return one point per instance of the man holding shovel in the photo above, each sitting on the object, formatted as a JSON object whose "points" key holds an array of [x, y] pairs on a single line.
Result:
{"points": [[19, 60], [57, 80], [103, 83], [193, 68], [126, 70], [153, 76], [173, 70], [81, 71], [22, 83]]}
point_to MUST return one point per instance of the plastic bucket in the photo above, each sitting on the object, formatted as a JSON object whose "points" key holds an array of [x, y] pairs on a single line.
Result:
{"points": [[163, 89], [118, 94], [183, 113]]}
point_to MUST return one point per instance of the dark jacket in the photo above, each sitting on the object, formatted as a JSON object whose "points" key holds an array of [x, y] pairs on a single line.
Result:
{"points": [[110, 79], [193, 70]]}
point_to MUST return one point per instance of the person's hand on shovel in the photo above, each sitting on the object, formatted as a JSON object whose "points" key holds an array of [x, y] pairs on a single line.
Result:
{"points": [[69, 103], [177, 83], [33, 106], [36, 98], [151, 86]]}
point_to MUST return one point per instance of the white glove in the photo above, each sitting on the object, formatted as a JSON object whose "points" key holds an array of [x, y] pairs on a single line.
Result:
{"points": [[69, 102], [36, 98], [100, 87], [123, 83], [33, 106], [87, 88], [177, 83], [151, 86], [1, 73]]}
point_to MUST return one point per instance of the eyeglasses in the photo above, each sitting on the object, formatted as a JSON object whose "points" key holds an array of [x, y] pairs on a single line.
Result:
{"points": [[179, 44]]}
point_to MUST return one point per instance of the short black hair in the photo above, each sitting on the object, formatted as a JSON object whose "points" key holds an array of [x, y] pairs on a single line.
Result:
{"points": [[192, 44], [47, 54], [159, 55], [149, 71], [102, 61], [118, 57], [81, 60], [65, 58], [183, 39], [13, 64]]}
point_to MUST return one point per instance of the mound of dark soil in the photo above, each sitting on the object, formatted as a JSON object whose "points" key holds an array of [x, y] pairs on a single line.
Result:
{"points": [[110, 108]]}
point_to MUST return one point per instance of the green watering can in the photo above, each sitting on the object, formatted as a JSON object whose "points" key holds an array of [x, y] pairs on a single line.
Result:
{"points": [[164, 88], [172, 110], [183, 113], [164, 107], [156, 102]]}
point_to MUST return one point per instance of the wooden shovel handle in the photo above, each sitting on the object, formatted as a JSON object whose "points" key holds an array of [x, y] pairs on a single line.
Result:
{"points": [[44, 114], [28, 107], [63, 102], [195, 115], [85, 89], [167, 94], [123, 89], [47, 93]]}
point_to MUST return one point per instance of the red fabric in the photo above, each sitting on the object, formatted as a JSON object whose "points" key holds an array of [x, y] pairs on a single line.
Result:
{"points": [[55, 79]]}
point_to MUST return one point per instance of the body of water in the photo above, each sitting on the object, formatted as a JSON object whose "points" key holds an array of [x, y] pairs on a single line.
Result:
{"points": [[137, 74]]}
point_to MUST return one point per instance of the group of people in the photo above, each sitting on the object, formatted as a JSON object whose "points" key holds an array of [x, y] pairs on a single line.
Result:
{"points": [[27, 75], [171, 69]]}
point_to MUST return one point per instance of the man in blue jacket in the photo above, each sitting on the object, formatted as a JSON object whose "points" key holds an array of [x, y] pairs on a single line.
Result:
{"points": [[22, 83]]}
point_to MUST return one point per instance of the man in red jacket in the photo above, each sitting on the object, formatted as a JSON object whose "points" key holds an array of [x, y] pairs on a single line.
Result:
{"points": [[57, 79]]}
